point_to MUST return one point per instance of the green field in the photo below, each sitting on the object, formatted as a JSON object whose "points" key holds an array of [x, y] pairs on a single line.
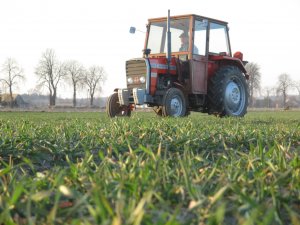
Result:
{"points": [[84, 168]]}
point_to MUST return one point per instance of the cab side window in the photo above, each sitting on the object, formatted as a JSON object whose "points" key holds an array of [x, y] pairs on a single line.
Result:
{"points": [[200, 36], [218, 39]]}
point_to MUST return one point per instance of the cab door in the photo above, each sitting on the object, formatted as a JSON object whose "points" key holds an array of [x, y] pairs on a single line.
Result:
{"points": [[199, 58]]}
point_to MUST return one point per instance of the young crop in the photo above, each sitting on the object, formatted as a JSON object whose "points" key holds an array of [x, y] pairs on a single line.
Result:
{"points": [[83, 168]]}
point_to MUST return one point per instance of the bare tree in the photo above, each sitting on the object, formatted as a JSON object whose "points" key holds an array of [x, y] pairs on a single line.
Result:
{"points": [[13, 73], [50, 72], [296, 85], [76, 75], [254, 79], [94, 76], [267, 93], [284, 83]]}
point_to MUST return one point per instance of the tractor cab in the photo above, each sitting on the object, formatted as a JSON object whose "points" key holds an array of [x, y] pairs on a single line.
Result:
{"points": [[190, 35]]}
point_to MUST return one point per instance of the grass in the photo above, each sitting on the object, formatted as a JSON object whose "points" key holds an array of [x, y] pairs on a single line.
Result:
{"points": [[83, 168]]}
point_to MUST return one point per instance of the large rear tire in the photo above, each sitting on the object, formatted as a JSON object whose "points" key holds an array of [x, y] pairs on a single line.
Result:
{"points": [[114, 109], [228, 92], [174, 103]]}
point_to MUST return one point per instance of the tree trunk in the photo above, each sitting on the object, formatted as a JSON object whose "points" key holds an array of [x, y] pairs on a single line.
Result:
{"points": [[54, 97], [74, 96], [50, 97], [251, 96], [92, 100], [11, 97], [251, 100], [51, 100], [284, 100]]}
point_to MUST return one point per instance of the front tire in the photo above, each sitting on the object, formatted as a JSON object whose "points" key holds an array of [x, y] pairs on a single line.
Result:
{"points": [[174, 103], [228, 92], [114, 109]]}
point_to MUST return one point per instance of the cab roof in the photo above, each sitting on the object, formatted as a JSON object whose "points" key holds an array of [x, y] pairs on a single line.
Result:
{"points": [[187, 16]]}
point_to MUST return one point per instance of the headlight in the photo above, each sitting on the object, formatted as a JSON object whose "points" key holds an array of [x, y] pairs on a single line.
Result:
{"points": [[142, 80], [129, 80]]}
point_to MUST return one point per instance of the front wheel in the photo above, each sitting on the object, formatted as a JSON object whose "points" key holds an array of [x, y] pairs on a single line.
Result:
{"points": [[228, 92], [174, 103], [114, 109]]}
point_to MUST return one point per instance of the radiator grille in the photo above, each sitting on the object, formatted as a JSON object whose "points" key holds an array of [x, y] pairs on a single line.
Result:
{"points": [[135, 69]]}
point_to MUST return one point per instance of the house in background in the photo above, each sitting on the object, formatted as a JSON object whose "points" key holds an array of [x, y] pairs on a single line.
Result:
{"points": [[17, 101]]}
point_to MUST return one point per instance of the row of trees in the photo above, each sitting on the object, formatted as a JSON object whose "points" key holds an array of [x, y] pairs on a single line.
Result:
{"points": [[284, 84], [50, 72]]}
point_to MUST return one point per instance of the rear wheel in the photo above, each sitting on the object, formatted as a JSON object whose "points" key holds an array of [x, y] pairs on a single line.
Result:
{"points": [[174, 103], [113, 107], [228, 92]]}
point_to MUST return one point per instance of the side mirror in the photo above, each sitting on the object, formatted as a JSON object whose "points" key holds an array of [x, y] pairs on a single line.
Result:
{"points": [[132, 30]]}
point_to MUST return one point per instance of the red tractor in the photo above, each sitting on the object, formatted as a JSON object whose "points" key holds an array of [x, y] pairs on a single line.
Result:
{"points": [[187, 66]]}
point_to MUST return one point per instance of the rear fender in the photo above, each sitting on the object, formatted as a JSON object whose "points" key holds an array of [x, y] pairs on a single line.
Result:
{"points": [[226, 60], [238, 63]]}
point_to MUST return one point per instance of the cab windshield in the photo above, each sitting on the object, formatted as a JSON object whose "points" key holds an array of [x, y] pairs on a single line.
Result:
{"points": [[157, 39]]}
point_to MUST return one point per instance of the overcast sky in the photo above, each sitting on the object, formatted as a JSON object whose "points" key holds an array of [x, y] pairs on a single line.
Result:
{"points": [[96, 32]]}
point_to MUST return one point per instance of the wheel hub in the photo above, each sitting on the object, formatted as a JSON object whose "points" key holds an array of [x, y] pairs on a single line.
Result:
{"points": [[176, 106], [232, 94]]}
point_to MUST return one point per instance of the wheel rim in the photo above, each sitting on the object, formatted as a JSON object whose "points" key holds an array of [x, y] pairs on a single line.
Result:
{"points": [[176, 106], [235, 97]]}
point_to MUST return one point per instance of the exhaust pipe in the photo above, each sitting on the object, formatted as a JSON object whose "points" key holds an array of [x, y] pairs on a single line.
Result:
{"points": [[168, 42]]}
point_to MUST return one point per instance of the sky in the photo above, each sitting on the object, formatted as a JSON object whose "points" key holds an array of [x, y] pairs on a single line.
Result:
{"points": [[97, 33]]}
